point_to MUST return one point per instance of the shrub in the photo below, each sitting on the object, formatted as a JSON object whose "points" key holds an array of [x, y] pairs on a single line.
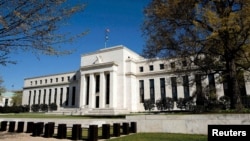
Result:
{"points": [[181, 103], [165, 103], [225, 102], [35, 108], [25, 108], [168, 103], [53, 107], [148, 104], [13, 109], [44, 107]]}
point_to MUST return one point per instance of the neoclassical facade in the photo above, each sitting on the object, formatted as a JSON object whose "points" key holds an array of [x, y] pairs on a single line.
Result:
{"points": [[115, 80]]}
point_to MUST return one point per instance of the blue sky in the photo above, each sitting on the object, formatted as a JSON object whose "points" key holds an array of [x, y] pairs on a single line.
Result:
{"points": [[124, 19]]}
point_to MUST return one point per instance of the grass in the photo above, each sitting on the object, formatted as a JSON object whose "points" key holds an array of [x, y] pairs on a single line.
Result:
{"points": [[44, 116], [161, 137], [147, 136]]}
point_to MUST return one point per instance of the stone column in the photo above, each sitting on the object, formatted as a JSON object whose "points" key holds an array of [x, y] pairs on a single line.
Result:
{"points": [[92, 91], [102, 90], [82, 95], [113, 89]]}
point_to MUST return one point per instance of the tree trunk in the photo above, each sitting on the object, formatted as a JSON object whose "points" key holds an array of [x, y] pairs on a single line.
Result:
{"points": [[233, 85]]}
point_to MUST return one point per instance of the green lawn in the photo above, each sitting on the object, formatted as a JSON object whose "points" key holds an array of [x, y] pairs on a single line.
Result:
{"points": [[44, 116], [161, 137]]}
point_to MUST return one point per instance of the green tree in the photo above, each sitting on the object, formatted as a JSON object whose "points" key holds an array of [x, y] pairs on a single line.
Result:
{"points": [[2, 88], [17, 98], [214, 35], [35, 26]]}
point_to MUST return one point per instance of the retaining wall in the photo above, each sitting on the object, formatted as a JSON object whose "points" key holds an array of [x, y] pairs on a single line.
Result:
{"points": [[188, 124]]}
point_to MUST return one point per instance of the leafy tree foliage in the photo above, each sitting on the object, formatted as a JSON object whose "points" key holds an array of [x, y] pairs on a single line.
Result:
{"points": [[33, 25], [213, 35], [2, 88], [17, 98]]}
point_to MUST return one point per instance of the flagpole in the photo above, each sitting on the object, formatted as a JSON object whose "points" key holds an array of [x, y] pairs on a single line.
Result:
{"points": [[106, 37]]}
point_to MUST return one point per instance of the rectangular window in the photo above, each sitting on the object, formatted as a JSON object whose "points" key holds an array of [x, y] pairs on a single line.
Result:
{"points": [[50, 96], [87, 90], [174, 88], [161, 66], [198, 84], [107, 88], [67, 97], [152, 89], [61, 96], [151, 67], [141, 89], [73, 95], [211, 83], [186, 86], [162, 86], [62, 79], [29, 97], [97, 83], [44, 96], [6, 102], [141, 69], [34, 97], [172, 65], [184, 63], [39, 96], [55, 97]]}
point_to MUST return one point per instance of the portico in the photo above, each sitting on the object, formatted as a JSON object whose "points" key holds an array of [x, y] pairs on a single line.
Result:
{"points": [[98, 85]]}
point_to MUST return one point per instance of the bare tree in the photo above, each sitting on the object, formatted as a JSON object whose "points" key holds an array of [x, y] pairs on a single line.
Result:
{"points": [[216, 33], [2, 88], [33, 25]]}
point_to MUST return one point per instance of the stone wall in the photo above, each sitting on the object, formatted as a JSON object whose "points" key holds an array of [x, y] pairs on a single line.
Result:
{"points": [[188, 124]]}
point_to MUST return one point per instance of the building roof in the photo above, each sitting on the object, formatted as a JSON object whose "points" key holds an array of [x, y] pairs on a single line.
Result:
{"points": [[7, 94]]}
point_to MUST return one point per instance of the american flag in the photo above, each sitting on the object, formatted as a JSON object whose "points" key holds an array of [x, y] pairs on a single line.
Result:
{"points": [[106, 34]]}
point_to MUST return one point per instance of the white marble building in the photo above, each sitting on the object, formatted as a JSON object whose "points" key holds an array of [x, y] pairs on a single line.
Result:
{"points": [[113, 80]]}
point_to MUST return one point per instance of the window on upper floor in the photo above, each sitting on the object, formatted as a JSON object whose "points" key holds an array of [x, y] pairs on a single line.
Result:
{"points": [[172, 65], [41, 81], [161, 66], [62, 79], [184, 63], [51, 80], [141, 69], [56, 79], [151, 67]]}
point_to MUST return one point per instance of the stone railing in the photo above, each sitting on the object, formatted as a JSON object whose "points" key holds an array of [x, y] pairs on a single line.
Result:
{"points": [[188, 124]]}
